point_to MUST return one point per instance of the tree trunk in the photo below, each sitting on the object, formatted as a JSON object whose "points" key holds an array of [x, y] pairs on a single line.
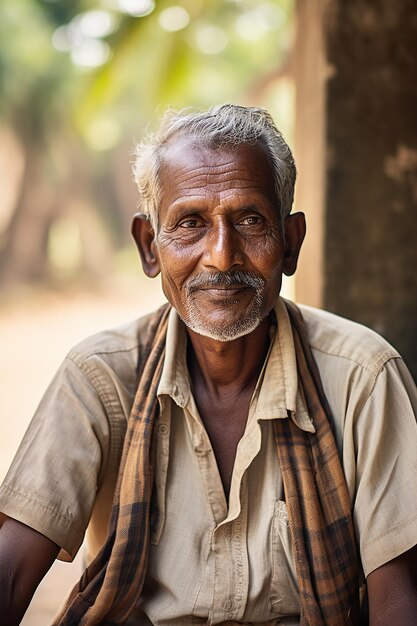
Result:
{"points": [[356, 148], [371, 200], [24, 257]]}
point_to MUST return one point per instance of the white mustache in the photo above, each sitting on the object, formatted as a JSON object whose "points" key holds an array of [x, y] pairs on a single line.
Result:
{"points": [[235, 278]]}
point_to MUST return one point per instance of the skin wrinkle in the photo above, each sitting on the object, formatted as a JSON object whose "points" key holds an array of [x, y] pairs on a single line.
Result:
{"points": [[176, 234], [181, 209], [227, 169], [203, 182]]}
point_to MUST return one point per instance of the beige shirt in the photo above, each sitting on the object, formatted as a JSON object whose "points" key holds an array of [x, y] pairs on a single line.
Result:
{"points": [[209, 562]]}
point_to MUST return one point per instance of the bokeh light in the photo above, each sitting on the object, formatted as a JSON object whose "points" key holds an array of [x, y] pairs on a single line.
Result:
{"points": [[174, 18]]}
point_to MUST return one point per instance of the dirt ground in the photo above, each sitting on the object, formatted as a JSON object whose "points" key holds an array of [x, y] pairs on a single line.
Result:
{"points": [[36, 331]]}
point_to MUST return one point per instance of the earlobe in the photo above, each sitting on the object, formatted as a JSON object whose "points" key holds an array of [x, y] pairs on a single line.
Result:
{"points": [[144, 236], [294, 231]]}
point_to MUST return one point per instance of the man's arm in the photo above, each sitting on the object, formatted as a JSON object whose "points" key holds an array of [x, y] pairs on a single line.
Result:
{"points": [[392, 592], [25, 557]]}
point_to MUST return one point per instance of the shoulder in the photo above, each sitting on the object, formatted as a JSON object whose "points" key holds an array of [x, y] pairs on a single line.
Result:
{"points": [[338, 338], [355, 363], [116, 350], [124, 338]]}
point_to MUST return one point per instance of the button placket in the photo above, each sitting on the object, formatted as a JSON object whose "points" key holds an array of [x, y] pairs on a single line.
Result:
{"points": [[161, 470], [222, 608], [239, 546]]}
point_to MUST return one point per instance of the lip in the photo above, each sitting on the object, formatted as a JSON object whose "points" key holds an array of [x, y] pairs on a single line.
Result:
{"points": [[224, 292]]}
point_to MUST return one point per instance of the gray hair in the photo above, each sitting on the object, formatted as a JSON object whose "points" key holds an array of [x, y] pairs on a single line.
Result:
{"points": [[225, 124]]}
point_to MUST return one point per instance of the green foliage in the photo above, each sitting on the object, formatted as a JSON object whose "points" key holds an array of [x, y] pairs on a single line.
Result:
{"points": [[153, 68], [32, 76], [215, 57], [80, 78]]}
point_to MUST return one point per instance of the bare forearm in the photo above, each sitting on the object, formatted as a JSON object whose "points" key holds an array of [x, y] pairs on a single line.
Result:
{"points": [[404, 614], [25, 557], [14, 597], [12, 604], [392, 592]]}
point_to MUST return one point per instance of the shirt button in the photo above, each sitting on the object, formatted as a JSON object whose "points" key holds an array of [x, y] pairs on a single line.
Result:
{"points": [[227, 605], [163, 429]]}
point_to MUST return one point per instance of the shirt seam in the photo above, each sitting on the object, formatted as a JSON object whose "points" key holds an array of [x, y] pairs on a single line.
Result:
{"points": [[376, 375], [21, 494], [80, 357], [377, 365], [390, 531], [94, 376]]}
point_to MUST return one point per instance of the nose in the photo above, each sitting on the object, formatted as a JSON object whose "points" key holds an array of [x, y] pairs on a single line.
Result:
{"points": [[222, 251]]}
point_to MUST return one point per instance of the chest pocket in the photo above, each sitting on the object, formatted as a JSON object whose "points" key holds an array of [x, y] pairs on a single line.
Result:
{"points": [[284, 596]]}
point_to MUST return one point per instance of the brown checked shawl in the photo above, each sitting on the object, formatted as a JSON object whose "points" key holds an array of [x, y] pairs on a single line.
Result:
{"points": [[318, 503], [317, 499]]}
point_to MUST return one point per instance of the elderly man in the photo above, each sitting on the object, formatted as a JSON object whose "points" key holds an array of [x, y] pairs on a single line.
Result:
{"points": [[237, 459]]}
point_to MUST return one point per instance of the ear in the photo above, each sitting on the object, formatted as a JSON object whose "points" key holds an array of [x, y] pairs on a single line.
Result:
{"points": [[144, 236], [294, 232]]}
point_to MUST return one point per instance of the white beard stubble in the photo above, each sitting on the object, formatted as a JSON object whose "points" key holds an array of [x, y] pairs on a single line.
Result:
{"points": [[197, 320]]}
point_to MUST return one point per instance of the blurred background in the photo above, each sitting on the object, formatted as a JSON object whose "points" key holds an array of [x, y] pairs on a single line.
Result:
{"points": [[82, 80]]}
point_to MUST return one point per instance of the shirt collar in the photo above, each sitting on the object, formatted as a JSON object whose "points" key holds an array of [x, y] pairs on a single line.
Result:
{"points": [[174, 378], [276, 393]]}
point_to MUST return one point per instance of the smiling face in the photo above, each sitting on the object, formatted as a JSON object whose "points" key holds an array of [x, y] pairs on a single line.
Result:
{"points": [[220, 245]]}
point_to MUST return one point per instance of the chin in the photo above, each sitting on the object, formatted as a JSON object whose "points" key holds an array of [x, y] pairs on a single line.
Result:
{"points": [[223, 332]]}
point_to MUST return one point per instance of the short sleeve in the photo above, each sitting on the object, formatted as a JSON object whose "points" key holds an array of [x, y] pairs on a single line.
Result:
{"points": [[52, 482], [385, 434]]}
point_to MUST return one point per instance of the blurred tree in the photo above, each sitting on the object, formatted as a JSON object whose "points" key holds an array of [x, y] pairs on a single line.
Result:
{"points": [[34, 84], [79, 79]]}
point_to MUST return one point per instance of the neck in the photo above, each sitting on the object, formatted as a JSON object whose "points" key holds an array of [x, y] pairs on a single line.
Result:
{"points": [[232, 364]]}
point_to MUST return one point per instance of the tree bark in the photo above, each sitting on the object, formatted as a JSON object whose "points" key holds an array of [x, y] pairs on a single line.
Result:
{"points": [[371, 200], [362, 227]]}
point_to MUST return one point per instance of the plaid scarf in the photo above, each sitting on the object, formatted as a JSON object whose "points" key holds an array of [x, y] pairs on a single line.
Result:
{"points": [[317, 499], [318, 504]]}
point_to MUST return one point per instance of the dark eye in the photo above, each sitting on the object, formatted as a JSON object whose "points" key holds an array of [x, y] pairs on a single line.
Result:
{"points": [[251, 220], [189, 223]]}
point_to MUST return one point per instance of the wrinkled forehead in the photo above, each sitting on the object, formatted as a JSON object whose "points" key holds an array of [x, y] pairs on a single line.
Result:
{"points": [[187, 161]]}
